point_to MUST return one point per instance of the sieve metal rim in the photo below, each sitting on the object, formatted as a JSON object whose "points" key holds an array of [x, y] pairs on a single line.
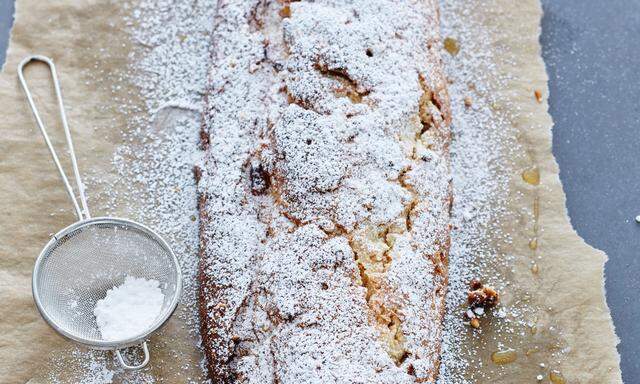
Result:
{"points": [[104, 344]]}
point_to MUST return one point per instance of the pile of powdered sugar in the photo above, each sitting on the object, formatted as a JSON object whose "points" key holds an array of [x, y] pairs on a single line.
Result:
{"points": [[130, 309]]}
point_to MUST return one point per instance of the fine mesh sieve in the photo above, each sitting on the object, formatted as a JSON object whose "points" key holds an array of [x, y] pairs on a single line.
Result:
{"points": [[83, 261]]}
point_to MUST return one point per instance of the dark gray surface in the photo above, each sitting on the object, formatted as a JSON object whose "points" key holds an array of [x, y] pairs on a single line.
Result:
{"points": [[6, 20], [592, 52]]}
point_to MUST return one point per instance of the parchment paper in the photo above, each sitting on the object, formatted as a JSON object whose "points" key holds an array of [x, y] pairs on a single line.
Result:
{"points": [[76, 33], [90, 46], [31, 197], [552, 274]]}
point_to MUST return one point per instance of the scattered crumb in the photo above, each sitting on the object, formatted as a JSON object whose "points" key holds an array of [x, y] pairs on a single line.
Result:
{"points": [[538, 94], [482, 296], [285, 12], [451, 45]]}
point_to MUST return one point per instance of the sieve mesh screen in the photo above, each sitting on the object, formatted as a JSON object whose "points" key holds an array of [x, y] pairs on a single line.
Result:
{"points": [[78, 267]]}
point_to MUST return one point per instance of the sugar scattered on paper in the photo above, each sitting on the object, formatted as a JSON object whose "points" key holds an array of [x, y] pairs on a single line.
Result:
{"points": [[160, 94]]}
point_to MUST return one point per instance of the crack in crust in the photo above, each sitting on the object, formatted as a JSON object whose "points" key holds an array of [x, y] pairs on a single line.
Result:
{"points": [[348, 87]]}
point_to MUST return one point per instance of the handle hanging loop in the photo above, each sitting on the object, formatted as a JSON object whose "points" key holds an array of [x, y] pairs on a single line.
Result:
{"points": [[126, 364], [84, 212]]}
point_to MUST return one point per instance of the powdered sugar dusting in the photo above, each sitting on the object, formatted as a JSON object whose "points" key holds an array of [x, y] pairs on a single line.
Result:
{"points": [[155, 183], [160, 94], [325, 198], [482, 154], [91, 367], [476, 182]]}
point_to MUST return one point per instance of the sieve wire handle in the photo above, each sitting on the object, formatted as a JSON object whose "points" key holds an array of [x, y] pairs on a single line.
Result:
{"points": [[84, 212], [144, 363]]}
